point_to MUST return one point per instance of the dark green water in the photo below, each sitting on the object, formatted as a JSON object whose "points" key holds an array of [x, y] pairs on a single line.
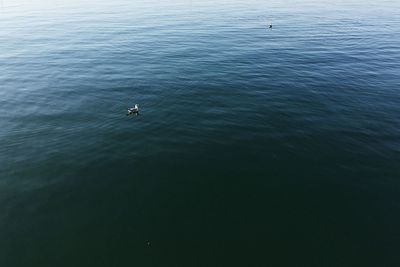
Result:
{"points": [[254, 147]]}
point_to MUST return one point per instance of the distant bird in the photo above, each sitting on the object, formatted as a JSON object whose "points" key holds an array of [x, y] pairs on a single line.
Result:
{"points": [[133, 110], [270, 26]]}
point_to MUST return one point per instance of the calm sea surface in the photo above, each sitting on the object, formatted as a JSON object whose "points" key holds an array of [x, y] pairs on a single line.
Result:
{"points": [[253, 147]]}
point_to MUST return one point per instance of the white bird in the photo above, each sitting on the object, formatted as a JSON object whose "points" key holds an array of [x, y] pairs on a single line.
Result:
{"points": [[133, 110]]}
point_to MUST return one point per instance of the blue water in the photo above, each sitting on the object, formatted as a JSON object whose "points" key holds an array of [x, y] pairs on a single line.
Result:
{"points": [[253, 147]]}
